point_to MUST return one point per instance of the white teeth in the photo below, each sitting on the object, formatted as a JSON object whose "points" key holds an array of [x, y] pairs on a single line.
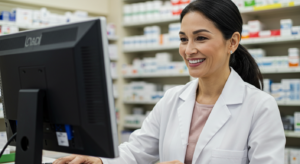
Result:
{"points": [[196, 61]]}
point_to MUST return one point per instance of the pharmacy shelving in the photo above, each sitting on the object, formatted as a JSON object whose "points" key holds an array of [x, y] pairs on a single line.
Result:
{"points": [[21, 26], [113, 59], [156, 76], [270, 15], [294, 134], [245, 42], [150, 48], [112, 38], [130, 126], [271, 8], [280, 70], [288, 103], [245, 10], [271, 40], [150, 22]]}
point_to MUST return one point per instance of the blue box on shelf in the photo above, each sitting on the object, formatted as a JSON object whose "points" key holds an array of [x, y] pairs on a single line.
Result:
{"points": [[5, 15]]}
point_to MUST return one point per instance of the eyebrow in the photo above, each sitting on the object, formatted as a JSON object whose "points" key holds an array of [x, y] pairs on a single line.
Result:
{"points": [[196, 32]]}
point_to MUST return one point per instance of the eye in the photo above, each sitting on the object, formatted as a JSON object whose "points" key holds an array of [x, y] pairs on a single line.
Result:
{"points": [[183, 39], [201, 38]]}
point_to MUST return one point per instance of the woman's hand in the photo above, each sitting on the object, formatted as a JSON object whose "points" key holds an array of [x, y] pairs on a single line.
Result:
{"points": [[172, 162], [78, 159]]}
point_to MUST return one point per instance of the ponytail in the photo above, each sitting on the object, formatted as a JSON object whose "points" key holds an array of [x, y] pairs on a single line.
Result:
{"points": [[245, 65], [227, 18]]}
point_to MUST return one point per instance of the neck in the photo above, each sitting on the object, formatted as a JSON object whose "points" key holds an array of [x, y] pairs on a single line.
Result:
{"points": [[210, 88]]}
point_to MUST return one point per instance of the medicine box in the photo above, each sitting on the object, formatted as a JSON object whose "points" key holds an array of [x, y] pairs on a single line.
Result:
{"points": [[286, 27], [297, 121], [249, 3], [24, 16]]}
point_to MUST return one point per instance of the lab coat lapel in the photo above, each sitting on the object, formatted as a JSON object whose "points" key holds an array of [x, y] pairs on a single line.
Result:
{"points": [[185, 111], [233, 93], [218, 117]]}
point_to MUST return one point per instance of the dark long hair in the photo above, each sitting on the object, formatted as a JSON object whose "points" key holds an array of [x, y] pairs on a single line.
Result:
{"points": [[227, 18]]}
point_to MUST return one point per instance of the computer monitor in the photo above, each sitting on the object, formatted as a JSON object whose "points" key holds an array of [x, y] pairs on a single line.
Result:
{"points": [[57, 91]]}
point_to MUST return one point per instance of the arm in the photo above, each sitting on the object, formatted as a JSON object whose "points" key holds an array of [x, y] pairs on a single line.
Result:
{"points": [[143, 143], [266, 139]]}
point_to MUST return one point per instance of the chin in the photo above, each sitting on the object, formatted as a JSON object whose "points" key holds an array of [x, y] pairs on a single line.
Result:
{"points": [[195, 74]]}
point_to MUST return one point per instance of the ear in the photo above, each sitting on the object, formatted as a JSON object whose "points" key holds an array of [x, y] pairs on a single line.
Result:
{"points": [[234, 41]]}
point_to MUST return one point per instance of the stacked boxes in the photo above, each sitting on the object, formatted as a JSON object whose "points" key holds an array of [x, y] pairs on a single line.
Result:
{"points": [[153, 10], [152, 37], [254, 29], [292, 156], [275, 62], [42, 17], [161, 64], [288, 90], [143, 91], [252, 3]]}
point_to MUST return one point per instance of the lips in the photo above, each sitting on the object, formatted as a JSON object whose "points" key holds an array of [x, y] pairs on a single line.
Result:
{"points": [[196, 62]]}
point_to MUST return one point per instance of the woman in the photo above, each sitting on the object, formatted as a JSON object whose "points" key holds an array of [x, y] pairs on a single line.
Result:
{"points": [[222, 117]]}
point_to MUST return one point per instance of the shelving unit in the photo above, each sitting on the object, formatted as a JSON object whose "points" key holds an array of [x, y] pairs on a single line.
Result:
{"points": [[245, 42], [280, 70], [156, 76], [293, 134], [151, 22], [112, 38], [275, 46], [129, 126], [247, 10]]}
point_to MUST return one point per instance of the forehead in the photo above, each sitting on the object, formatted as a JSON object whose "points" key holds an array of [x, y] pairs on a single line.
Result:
{"points": [[196, 20]]}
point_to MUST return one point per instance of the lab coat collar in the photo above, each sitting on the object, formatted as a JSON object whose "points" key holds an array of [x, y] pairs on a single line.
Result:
{"points": [[233, 91]]}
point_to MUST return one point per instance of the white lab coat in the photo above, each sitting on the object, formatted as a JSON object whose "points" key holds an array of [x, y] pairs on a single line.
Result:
{"points": [[243, 127]]}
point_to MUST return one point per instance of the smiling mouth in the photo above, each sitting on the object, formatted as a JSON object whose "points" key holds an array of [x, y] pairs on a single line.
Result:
{"points": [[196, 61]]}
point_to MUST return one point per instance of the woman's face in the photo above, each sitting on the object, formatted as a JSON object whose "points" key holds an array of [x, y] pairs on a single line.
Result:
{"points": [[203, 47]]}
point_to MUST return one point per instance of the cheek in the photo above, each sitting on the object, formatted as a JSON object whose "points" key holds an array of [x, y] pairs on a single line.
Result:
{"points": [[214, 51], [182, 51]]}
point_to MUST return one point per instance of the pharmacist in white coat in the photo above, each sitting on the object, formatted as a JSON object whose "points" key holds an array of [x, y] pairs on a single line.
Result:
{"points": [[244, 124]]}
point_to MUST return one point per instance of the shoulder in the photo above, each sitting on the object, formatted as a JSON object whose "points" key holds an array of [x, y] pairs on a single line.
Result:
{"points": [[259, 100], [252, 91]]}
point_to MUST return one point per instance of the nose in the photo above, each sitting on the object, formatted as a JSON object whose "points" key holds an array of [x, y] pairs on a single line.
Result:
{"points": [[190, 49]]}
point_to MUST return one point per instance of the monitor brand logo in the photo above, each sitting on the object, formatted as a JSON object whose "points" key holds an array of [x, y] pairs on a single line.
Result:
{"points": [[33, 41]]}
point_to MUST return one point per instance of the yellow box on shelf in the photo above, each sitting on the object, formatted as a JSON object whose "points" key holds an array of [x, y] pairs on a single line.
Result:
{"points": [[273, 6]]}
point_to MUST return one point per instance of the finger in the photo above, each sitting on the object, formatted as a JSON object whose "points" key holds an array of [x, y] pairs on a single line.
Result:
{"points": [[79, 160], [64, 160]]}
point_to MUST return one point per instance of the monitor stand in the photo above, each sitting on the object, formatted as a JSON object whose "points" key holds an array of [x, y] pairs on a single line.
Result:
{"points": [[30, 126]]}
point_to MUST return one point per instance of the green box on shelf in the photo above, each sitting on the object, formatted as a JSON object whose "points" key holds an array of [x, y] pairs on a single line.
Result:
{"points": [[8, 158], [249, 3]]}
